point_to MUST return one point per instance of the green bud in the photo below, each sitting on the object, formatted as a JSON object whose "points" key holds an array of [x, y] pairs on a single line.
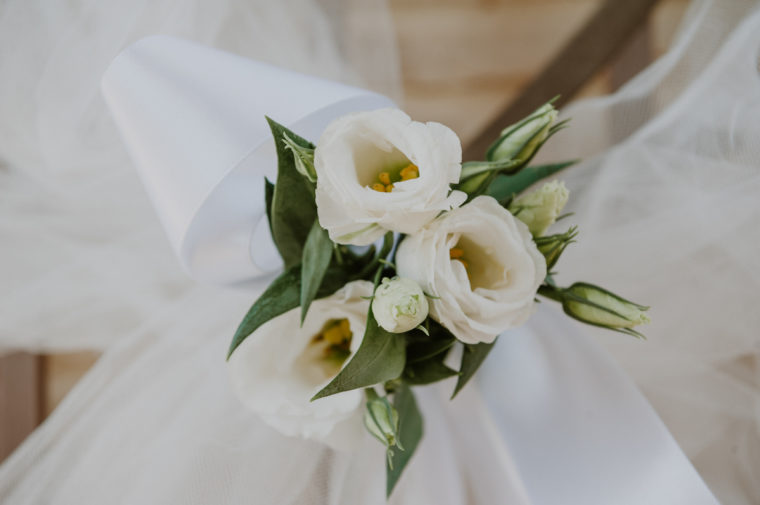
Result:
{"points": [[552, 246], [521, 140], [304, 158], [381, 420], [594, 305], [540, 209]]}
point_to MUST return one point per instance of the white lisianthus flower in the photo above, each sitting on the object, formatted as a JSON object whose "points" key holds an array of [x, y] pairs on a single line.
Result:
{"points": [[481, 266], [379, 171], [278, 368], [399, 305], [540, 209]]}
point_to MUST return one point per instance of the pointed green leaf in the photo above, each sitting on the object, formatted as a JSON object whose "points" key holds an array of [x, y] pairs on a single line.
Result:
{"points": [[293, 207], [421, 351], [268, 196], [281, 296], [380, 357], [472, 357], [428, 371], [505, 187], [410, 429], [316, 258]]}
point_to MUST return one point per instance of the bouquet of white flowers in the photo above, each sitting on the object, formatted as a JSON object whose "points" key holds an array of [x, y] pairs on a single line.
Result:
{"points": [[395, 253]]}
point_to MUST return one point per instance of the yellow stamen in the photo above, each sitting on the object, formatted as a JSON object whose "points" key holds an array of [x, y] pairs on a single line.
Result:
{"points": [[345, 328], [409, 172], [333, 335], [457, 254], [385, 183]]}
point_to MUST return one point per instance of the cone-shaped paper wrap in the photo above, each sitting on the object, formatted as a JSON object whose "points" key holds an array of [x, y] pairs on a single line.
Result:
{"points": [[193, 121]]}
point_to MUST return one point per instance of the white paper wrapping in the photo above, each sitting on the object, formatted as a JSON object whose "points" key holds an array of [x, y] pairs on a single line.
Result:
{"points": [[193, 120]]}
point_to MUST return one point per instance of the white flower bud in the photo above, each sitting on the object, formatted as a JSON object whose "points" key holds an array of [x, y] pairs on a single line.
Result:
{"points": [[541, 208], [594, 305], [399, 305], [521, 140], [381, 419]]}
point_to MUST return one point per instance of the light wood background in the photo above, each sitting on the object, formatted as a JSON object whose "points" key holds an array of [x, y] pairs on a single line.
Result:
{"points": [[462, 62]]}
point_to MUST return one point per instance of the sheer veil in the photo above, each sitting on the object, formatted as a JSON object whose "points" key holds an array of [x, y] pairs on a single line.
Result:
{"points": [[666, 201], [84, 260], [667, 204]]}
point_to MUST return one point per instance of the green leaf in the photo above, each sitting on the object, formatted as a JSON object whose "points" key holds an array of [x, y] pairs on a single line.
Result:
{"points": [[505, 187], [316, 259], [421, 345], [281, 296], [410, 429], [426, 349], [293, 207], [380, 357], [472, 357], [473, 168], [428, 371], [268, 195], [385, 249]]}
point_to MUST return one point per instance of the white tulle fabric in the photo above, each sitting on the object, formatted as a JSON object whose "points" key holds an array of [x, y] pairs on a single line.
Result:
{"points": [[668, 208], [667, 202], [83, 259]]}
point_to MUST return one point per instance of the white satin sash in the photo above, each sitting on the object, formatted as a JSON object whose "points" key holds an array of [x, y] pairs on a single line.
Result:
{"points": [[193, 120]]}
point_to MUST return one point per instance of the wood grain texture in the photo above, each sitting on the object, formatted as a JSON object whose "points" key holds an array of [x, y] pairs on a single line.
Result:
{"points": [[20, 399]]}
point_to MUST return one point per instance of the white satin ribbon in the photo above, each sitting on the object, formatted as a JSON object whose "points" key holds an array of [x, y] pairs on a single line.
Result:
{"points": [[577, 426], [193, 121], [577, 430]]}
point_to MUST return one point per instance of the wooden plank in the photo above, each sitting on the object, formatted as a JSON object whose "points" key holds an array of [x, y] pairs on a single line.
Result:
{"points": [[61, 373], [588, 51], [633, 57], [20, 399]]}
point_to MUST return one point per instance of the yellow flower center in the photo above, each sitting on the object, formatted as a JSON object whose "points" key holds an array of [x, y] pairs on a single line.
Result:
{"points": [[335, 336], [457, 253], [385, 180]]}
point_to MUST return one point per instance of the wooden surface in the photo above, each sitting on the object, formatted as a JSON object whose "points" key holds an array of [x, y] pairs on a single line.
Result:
{"points": [[464, 61], [21, 399]]}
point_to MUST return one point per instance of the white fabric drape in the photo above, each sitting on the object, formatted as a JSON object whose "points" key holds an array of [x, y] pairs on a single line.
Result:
{"points": [[668, 208], [666, 203]]}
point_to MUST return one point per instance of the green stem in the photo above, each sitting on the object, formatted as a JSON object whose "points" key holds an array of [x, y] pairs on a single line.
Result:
{"points": [[550, 292]]}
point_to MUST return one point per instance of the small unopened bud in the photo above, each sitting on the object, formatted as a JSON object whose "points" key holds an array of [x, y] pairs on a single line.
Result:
{"points": [[552, 246], [381, 420], [521, 140], [594, 305], [304, 158], [399, 305], [539, 209]]}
